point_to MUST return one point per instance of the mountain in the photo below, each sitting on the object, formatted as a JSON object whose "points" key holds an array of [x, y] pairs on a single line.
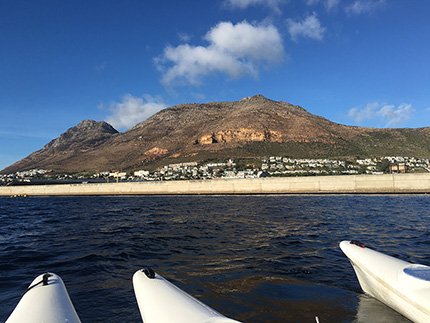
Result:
{"points": [[252, 127], [66, 149]]}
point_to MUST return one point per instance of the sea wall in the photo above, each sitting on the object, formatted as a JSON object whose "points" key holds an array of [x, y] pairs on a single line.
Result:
{"points": [[346, 184]]}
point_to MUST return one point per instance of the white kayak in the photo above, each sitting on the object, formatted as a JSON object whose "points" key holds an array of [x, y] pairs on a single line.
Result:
{"points": [[46, 300], [403, 286], [160, 301]]}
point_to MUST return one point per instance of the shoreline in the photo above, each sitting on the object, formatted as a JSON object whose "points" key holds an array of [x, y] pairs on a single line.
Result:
{"points": [[336, 184]]}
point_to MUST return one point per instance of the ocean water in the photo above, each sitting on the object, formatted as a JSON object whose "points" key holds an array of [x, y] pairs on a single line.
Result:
{"points": [[257, 258]]}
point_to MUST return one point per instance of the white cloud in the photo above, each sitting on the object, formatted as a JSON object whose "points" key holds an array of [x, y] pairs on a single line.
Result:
{"points": [[396, 116], [367, 113], [101, 67], [259, 42], [309, 27], [132, 110], [235, 50], [363, 6], [391, 115], [352, 7], [331, 4], [243, 4], [184, 37]]}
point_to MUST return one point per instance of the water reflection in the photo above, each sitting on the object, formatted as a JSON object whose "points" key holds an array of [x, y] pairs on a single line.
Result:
{"points": [[372, 310]]}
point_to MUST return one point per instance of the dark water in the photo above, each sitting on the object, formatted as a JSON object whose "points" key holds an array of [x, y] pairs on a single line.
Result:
{"points": [[254, 258]]}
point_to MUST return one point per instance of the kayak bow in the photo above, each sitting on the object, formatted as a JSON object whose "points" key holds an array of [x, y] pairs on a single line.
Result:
{"points": [[403, 286], [160, 301], [46, 300]]}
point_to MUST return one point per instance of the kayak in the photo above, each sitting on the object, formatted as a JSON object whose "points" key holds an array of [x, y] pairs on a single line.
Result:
{"points": [[160, 301], [46, 300], [403, 286]]}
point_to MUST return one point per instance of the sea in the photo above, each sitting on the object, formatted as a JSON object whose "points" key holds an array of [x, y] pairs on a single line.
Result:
{"points": [[255, 258]]}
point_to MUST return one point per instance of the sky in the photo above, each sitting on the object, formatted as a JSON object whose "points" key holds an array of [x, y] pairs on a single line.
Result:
{"points": [[354, 62]]}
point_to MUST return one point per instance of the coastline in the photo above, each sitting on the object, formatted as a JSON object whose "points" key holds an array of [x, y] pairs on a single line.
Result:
{"points": [[337, 184]]}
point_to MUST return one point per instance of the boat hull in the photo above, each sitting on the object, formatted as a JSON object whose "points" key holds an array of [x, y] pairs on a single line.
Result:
{"points": [[160, 301], [46, 300], [403, 286]]}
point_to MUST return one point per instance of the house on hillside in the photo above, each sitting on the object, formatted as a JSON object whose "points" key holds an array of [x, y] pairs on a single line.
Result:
{"points": [[398, 168]]}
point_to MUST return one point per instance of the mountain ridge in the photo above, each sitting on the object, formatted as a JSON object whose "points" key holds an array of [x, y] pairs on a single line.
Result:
{"points": [[252, 127]]}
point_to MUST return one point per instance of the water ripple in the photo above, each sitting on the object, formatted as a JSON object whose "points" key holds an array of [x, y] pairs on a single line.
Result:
{"points": [[255, 258]]}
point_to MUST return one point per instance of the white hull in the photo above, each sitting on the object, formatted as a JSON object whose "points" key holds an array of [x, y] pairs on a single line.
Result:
{"points": [[48, 303], [403, 286], [160, 301]]}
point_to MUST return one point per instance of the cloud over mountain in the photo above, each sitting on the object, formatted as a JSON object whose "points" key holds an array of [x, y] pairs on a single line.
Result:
{"points": [[234, 49], [243, 4], [391, 115], [132, 110], [363, 6], [309, 27]]}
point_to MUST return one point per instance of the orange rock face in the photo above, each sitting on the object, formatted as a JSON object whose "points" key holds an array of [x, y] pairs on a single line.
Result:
{"points": [[156, 151], [240, 134]]}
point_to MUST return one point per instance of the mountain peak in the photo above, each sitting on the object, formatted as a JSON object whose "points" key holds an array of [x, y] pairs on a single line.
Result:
{"points": [[91, 125], [86, 133], [255, 98]]}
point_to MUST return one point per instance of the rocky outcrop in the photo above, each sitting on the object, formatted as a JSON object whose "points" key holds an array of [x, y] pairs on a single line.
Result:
{"points": [[240, 135], [156, 151], [87, 134]]}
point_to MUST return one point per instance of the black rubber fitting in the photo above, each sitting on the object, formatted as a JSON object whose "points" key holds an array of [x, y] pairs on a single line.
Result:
{"points": [[45, 279], [149, 273], [358, 244]]}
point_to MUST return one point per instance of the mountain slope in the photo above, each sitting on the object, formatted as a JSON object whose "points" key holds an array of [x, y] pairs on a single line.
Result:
{"points": [[251, 127], [62, 151]]}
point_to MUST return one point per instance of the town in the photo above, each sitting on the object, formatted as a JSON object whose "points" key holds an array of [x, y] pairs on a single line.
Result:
{"points": [[274, 166]]}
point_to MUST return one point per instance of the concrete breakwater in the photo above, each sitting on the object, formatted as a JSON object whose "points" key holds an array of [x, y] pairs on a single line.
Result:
{"points": [[346, 184]]}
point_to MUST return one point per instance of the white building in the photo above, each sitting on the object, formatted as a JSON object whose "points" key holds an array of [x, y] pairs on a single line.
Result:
{"points": [[141, 173]]}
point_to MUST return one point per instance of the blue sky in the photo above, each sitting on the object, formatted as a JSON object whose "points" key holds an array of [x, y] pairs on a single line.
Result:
{"points": [[355, 62]]}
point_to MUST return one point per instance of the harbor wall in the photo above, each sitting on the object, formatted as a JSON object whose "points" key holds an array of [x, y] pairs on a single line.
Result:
{"points": [[346, 184]]}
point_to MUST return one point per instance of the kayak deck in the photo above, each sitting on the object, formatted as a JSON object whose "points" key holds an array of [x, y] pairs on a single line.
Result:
{"points": [[418, 271]]}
